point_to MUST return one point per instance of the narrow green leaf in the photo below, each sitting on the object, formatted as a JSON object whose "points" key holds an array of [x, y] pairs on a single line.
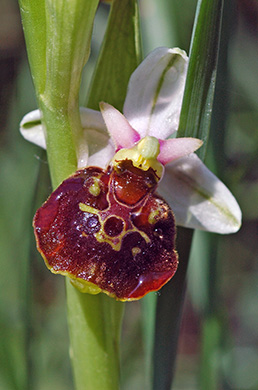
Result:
{"points": [[168, 316], [211, 334], [200, 84], [195, 121], [148, 304], [214, 321], [120, 54], [162, 23]]}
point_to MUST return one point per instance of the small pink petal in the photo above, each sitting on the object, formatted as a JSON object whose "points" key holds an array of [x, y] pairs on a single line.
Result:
{"points": [[174, 148], [121, 132]]}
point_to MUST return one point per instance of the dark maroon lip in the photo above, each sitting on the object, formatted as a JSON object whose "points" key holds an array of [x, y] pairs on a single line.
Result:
{"points": [[109, 228]]}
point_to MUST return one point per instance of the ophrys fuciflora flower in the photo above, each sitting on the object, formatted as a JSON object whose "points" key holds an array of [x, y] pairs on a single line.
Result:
{"points": [[106, 227], [109, 230]]}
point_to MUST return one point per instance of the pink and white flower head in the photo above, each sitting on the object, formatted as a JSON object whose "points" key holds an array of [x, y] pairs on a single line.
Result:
{"points": [[146, 134]]}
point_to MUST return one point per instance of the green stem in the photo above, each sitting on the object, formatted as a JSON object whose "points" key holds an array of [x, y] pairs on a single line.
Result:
{"points": [[62, 159], [58, 35], [94, 323]]}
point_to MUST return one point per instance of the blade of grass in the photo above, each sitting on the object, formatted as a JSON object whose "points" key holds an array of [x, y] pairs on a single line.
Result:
{"points": [[168, 316], [211, 330], [200, 84], [166, 17], [162, 23], [194, 122], [120, 54], [214, 324], [148, 304], [41, 191]]}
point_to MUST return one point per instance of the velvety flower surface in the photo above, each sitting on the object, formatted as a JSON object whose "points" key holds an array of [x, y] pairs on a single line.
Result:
{"points": [[109, 232], [105, 227]]}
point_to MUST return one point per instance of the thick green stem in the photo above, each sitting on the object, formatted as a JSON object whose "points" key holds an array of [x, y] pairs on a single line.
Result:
{"points": [[58, 34], [62, 159], [94, 322]]}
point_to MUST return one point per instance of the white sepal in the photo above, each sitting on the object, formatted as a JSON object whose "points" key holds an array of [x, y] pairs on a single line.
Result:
{"points": [[32, 129], [155, 93], [198, 198]]}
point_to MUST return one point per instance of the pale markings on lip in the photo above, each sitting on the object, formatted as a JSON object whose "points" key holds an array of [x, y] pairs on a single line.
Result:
{"points": [[101, 236], [95, 189], [136, 250]]}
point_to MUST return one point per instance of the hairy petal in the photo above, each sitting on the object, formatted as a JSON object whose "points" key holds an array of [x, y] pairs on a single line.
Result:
{"points": [[172, 149], [198, 198], [120, 130], [155, 93]]}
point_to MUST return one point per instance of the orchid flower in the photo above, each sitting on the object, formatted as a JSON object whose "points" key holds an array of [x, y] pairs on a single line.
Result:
{"points": [[141, 142]]}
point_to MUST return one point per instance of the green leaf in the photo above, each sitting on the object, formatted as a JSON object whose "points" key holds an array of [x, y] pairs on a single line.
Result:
{"points": [[120, 55], [196, 111], [195, 121], [168, 17], [148, 304], [168, 316], [214, 317], [211, 335]]}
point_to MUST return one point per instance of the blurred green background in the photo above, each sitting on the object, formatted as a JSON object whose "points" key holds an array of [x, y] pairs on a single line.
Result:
{"points": [[218, 346]]}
